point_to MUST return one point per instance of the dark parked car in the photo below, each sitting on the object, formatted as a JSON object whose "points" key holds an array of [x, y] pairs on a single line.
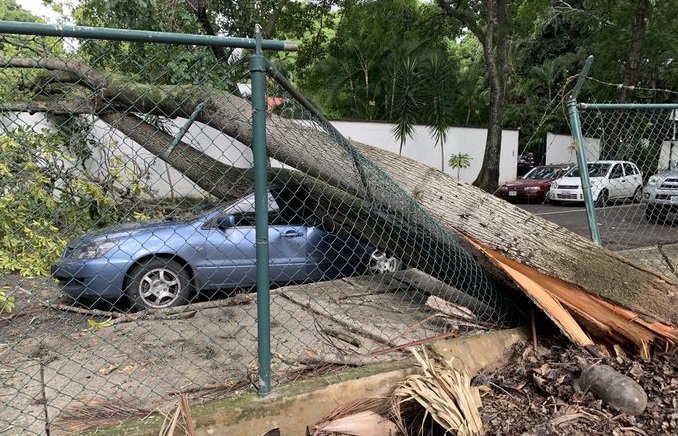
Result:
{"points": [[534, 186], [164, 264]]}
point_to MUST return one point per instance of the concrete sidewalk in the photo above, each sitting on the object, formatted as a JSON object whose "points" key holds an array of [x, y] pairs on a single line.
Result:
{"points": [[662, 259]]}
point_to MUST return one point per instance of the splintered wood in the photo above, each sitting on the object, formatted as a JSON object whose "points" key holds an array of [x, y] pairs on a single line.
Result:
{"points": [[582, 316]]}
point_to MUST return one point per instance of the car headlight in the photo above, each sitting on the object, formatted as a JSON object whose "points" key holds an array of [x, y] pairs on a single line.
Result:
{"points": [[654, 180], [93, 250], [532, 188]]}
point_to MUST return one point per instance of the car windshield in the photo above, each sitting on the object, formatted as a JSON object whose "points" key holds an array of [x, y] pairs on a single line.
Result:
{"points": [[596, 169], [542, 173], [239, 205]]}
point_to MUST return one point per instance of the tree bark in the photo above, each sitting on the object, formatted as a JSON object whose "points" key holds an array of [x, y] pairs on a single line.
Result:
{"points": [[616, 127], [635, 53]]}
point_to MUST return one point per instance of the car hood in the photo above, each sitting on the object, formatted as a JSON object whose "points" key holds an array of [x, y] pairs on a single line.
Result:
{"points": [[667, 173], [130, 229]]}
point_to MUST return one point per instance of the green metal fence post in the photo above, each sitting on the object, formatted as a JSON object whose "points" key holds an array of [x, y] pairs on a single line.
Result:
{"points": [[258, 76], [575, 126]]}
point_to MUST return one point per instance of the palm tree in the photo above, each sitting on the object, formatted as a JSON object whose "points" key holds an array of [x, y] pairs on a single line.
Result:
{"points": [[458, 161]]}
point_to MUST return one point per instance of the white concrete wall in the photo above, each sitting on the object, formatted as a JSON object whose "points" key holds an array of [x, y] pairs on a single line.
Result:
{"points": [[422, 146], [165, 181], [561, 149], [668, 156]]}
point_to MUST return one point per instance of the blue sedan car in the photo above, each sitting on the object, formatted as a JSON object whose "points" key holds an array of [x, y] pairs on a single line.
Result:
{"points": [[164, 264]]}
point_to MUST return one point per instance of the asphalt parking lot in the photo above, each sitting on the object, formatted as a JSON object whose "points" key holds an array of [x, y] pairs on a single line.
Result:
{"points": [[621, 226]]}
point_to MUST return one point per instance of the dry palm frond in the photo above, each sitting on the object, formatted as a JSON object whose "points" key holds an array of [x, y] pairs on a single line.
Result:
{"points": [[97, 412], [445, 394], [361, 417], [450, 309], [172, 422]]}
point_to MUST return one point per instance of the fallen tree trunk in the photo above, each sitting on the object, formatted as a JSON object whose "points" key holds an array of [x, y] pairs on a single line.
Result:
{"points": [[459, 207], [531, 240]]}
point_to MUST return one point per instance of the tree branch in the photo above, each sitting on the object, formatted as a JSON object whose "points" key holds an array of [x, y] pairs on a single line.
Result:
{"points": [[60, 107], [199, 8], [465, 18], [270, 27], [81, 73]]}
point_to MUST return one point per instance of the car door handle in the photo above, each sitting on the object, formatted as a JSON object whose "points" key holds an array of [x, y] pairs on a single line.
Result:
{"points": [[291, 234]]}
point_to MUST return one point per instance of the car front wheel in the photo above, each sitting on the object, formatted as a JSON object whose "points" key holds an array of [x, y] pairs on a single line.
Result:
{"points": [[547, 192], [603, 198], [157, 284], [381, 263], [637, 195]]}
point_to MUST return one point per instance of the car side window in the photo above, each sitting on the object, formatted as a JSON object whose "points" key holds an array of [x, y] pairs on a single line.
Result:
{"points": [[295, 205], [630, 169], [244, 211], [616, 172]]}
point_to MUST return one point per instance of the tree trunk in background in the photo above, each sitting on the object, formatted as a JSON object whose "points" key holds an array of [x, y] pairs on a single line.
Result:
{"points": [[615, 129], [635, 53], [494, 39]]}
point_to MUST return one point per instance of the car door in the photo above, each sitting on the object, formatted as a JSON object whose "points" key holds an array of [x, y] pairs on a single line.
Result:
{"points": [[616, 183], [230, 247], [633, 178]]}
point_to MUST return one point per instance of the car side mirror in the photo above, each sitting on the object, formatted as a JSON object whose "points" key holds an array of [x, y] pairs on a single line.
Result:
{"points": [[225, 221]]}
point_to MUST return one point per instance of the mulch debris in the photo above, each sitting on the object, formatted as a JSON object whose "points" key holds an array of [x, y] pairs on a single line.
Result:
{"points": [[536, 394]]}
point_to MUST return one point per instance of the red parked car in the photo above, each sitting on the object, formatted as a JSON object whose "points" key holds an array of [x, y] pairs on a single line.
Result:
{"points": [[534, 186]]}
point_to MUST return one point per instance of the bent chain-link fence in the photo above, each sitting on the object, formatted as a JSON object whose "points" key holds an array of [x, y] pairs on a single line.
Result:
{"points": [[126, 172], [632, 153]]}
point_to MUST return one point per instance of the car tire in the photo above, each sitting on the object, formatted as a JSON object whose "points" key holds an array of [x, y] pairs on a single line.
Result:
{"points": [[546, 196], [637, 195], [158, 283], [381, 263], [603, 198]]}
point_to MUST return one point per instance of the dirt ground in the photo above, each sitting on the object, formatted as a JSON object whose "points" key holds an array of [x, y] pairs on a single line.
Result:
{"points": [[54, 365]]}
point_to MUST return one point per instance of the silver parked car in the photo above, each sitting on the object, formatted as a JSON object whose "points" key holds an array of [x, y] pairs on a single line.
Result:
{"points": [[661, 196]]}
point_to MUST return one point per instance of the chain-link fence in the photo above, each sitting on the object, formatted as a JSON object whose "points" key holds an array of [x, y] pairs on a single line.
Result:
{"points": [[127, 174], [631, 154]]}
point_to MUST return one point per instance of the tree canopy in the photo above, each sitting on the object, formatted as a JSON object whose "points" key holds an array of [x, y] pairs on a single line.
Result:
{"points": [[496, 64]]}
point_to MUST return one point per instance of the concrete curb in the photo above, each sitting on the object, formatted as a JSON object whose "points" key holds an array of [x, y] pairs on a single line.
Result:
{"points": [[295, 406]]}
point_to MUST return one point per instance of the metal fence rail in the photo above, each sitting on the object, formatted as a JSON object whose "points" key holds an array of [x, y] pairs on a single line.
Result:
{"points": [[629, 187], [130, 179]]}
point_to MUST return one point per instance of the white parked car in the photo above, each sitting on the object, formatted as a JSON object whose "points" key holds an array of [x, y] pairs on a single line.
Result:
{"points": [[610, 180]]}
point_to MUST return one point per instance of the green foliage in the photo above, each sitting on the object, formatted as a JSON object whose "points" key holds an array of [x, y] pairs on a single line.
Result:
{"points": [[389, 60], [11, 11], [158, 64], [97, 325], [6, 302], [20, 46], [46, 200]]}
